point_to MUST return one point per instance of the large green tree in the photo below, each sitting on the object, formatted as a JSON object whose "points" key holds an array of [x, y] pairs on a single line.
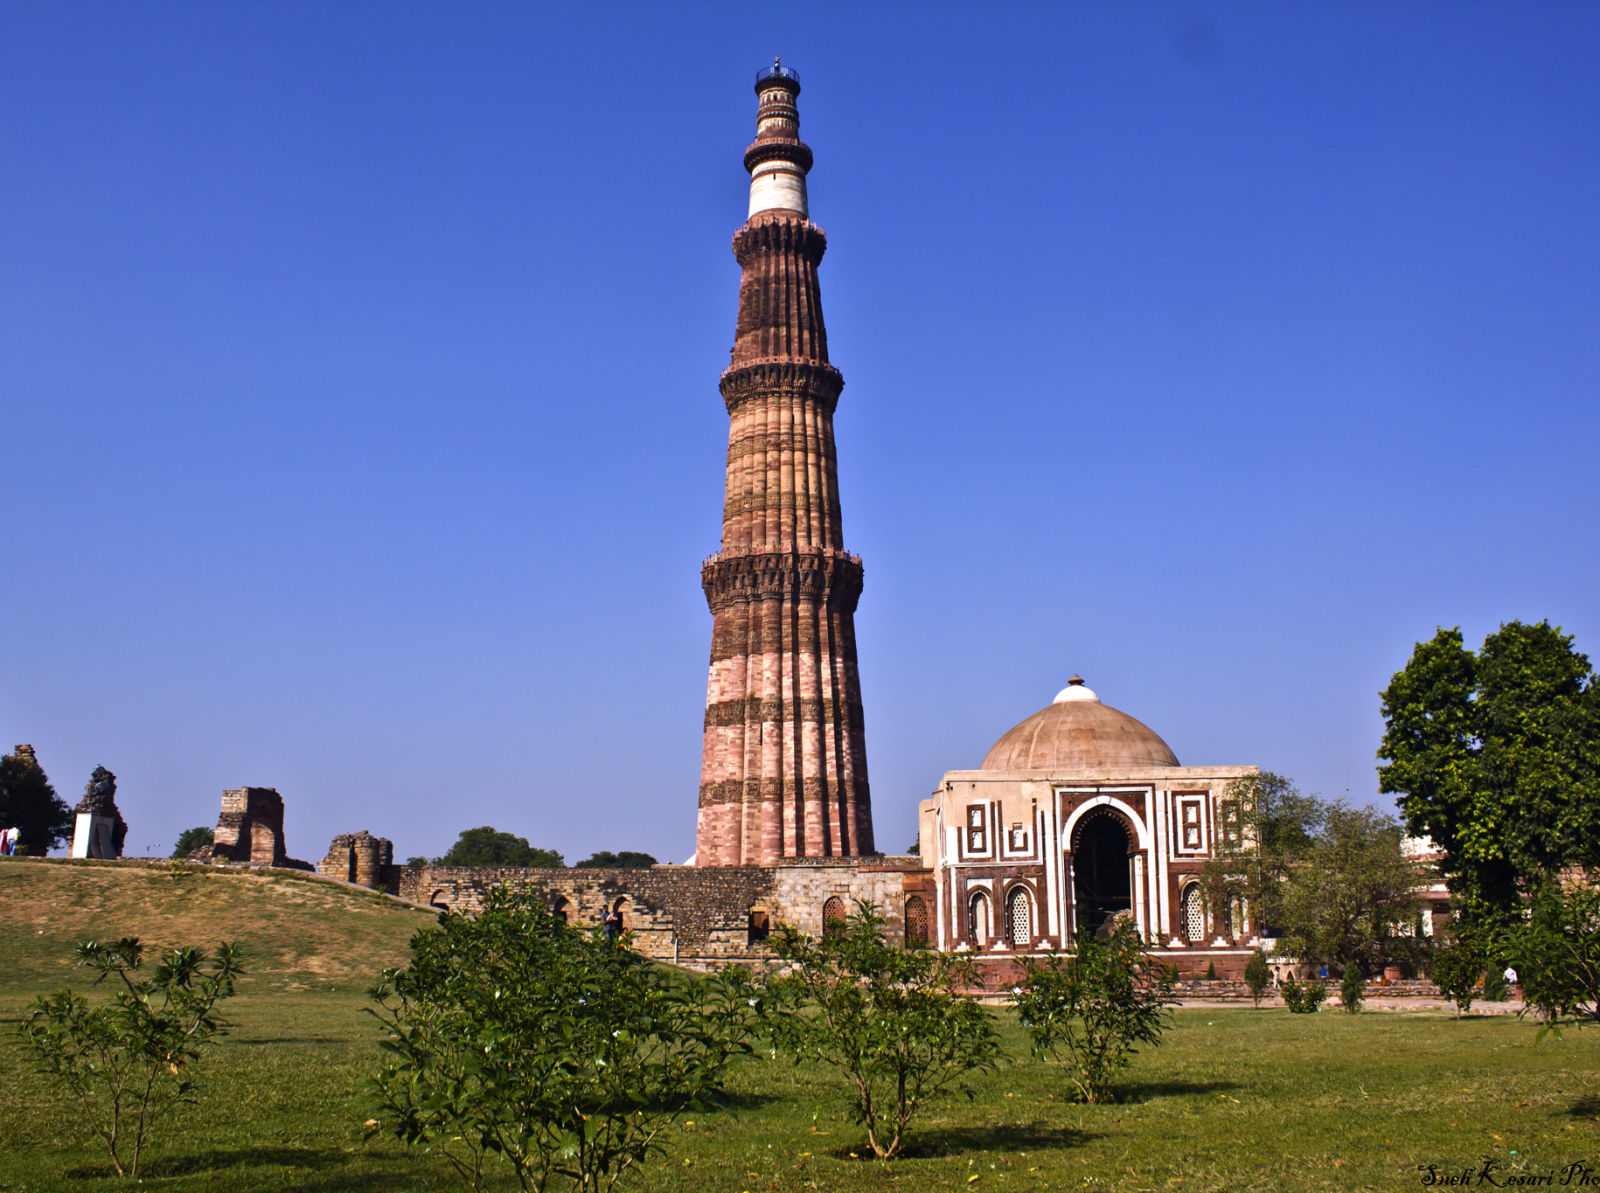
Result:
{"points": [[1328, 880], [1267, 828], [1496, 756], [1352, 901], [489, 846], [29, 804]]}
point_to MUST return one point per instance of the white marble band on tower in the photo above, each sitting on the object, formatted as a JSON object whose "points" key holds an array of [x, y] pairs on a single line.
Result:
{"points": [[777, 186]]}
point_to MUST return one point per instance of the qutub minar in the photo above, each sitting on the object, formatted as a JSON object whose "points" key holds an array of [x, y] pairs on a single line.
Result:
{"points": [[784, 769], [1078, 815]]}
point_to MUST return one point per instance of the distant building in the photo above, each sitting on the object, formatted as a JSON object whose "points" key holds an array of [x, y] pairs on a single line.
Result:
{"points": [[1435, 892], [1080, 814]]}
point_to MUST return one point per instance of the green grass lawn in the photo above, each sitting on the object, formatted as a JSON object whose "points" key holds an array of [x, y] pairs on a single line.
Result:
{"points": [[1235, 1099]]}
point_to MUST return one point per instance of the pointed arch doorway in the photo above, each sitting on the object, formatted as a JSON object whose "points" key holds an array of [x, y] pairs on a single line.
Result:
{"points": [[1103, 849]]}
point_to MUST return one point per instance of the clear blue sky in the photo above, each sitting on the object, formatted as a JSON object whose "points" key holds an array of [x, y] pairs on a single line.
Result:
{"points": [[361, 434]]}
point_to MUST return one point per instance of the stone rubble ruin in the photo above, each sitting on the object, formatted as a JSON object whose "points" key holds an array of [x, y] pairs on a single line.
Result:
{"points": [[362, 859], [98, 828], [250, 831]]}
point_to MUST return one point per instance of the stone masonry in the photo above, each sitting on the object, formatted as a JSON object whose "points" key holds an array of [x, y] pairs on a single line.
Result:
{"points": [[362, 859], [784, 763], [695, 916], [250, 830]]}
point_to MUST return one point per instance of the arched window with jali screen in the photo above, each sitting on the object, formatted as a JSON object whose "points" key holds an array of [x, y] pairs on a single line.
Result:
{"points": [[1019, 917], [1194, 914], [916, 921], [833, 916], [978, 919]]}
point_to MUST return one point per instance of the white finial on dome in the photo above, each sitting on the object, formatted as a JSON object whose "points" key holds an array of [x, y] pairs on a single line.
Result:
{"points": [[1075, 691]]}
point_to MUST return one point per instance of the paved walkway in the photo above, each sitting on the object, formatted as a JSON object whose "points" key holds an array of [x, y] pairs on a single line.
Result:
{"points": [[1372, 1003]]}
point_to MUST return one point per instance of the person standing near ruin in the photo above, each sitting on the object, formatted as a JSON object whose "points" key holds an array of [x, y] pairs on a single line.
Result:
{"points": [[612, 923]]}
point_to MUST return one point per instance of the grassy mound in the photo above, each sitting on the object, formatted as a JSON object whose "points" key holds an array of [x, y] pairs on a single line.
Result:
{"points": [[299, 933]]}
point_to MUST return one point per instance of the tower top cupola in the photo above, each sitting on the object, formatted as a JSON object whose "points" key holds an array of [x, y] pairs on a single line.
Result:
{"points": [[778, 160]]}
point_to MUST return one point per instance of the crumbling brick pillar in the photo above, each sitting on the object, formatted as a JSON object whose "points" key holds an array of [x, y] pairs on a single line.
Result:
{"points": [[250, 828]]}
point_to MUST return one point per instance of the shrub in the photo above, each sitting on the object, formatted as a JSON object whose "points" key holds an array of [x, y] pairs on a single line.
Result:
{"points": [[512, 1035], [894, 1022], [1257, 976], [1211, 971], [1352, 990], [1302, 999], [1556, 952], [1455, 971], [128, 1062], [1495, 986], [1089, 1009]]}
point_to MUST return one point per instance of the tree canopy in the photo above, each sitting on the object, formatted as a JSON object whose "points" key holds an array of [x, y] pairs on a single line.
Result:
{"points": [[191, 839], [29, 804], [487, 846], [1327, 879], [626, 859], [1496, 757]]}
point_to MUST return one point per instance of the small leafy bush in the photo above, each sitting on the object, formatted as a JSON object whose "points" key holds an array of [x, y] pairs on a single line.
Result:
{"points": [[1257, 976], [1455, 971], [512, 1035], [130, 1061], [1495, 986], [1091, 1008], [1302, 998], [895, 1022], [1352, 989]]}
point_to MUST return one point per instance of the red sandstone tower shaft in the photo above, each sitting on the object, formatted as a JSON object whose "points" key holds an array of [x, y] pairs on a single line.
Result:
{"points": [[784, 771]]}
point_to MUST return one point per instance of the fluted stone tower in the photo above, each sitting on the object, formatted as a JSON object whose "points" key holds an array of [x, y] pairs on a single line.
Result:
{"points": [[784, 770]]}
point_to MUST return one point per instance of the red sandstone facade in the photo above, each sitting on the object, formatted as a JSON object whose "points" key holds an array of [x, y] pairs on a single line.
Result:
{"points": [[784, 768]]}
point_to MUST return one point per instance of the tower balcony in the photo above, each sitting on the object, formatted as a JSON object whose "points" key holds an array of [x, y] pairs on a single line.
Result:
{"points": [[777, 71]]}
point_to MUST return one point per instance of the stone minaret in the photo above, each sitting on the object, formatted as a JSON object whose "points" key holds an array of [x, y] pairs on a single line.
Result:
{"points": [[784, 772]]}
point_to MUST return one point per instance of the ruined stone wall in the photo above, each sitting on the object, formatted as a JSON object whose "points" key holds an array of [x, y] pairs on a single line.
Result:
{"points": [[250, 830], [362, 859], [699, 917]]}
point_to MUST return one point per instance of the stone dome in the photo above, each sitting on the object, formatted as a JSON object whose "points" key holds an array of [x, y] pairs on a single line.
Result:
{"points": [[1075, 731]]}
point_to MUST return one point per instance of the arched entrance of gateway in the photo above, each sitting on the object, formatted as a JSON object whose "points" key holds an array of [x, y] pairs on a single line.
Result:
{"points": [[1102, 869]]}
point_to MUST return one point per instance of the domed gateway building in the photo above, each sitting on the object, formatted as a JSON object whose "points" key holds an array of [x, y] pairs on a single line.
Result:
{"points": [[1080, 814]]}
